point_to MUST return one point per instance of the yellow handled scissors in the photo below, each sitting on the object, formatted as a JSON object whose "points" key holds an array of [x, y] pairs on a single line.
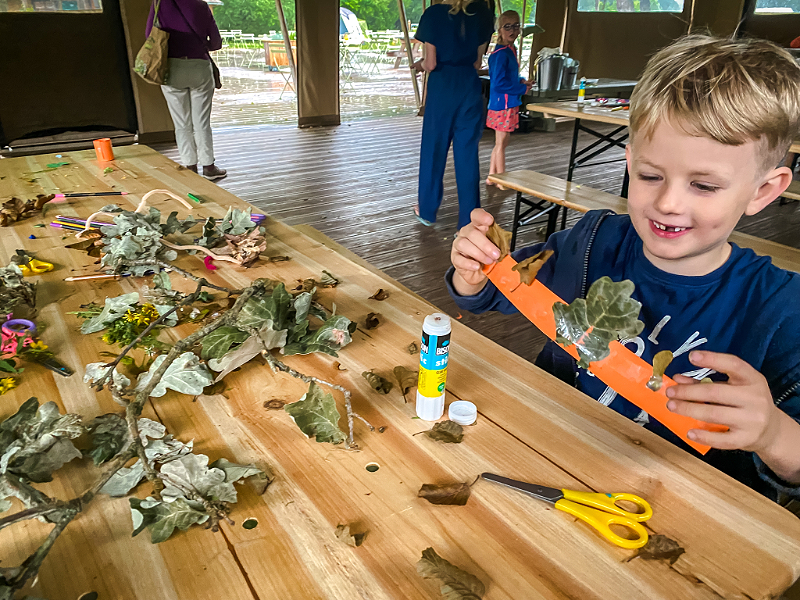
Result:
{"points": [[598, 510], [35, 266]]}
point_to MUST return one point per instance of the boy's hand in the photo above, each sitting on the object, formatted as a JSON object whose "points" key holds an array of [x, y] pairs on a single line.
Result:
{"points": [[471, 250], [744, 404]]}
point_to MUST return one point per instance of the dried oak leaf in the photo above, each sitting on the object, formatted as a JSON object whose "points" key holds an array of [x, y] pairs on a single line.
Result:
{"points": [[457, 584], [406, 378], [448, 432], [351, 539], [378, 383], [450, 494], [328, 280], [413, 348], [661, 547], [372, 321], [529, 267], [381, 294], [500, 238], [245, 248]]}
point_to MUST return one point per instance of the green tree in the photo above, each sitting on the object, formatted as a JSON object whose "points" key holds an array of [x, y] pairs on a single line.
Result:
{"points": [[253, 16]]}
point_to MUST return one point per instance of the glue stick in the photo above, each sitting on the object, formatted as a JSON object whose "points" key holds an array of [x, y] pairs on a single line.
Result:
{"points": [[433, 357]]}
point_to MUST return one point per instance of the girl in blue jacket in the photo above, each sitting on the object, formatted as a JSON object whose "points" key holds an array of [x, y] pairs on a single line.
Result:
{"points": [[505, 95]]}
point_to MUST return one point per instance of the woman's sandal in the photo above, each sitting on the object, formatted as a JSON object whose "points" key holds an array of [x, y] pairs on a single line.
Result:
{"points": [[420, 219]]}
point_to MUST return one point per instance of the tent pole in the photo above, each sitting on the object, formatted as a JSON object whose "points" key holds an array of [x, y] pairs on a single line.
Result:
{"points": [[404, 24], [522, 24], [288, 43]]}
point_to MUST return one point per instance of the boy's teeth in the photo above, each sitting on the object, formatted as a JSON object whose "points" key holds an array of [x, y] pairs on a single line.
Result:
{"points": [[665, 228]]}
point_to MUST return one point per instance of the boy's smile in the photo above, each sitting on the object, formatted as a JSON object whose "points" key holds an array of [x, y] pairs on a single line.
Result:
{"points": [[687, 193]]}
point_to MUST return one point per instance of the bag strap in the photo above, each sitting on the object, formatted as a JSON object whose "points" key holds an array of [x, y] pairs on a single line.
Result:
{"points": [[155, 14]]}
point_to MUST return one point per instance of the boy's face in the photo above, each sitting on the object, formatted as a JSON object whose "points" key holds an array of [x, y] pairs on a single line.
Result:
{"points": [[688, 192]]}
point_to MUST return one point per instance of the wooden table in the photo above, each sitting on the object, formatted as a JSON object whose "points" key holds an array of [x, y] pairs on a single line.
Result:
{"points": [[530, 427]]}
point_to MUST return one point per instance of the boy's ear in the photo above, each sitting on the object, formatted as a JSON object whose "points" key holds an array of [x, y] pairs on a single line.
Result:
{"points": [[773, 185]]}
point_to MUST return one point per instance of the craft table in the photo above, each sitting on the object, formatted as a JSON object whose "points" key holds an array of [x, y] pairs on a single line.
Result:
{"points": [[530, 427]]}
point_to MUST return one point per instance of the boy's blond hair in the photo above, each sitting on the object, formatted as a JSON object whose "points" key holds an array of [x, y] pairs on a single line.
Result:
{"points": [[731, 90]]}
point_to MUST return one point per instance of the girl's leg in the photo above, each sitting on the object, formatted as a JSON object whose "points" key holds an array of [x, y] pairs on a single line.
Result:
{"points": [[493, 159], [503, 137]]}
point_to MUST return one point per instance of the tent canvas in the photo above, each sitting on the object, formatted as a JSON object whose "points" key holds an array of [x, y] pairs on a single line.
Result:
{"points": [[350, 27]]}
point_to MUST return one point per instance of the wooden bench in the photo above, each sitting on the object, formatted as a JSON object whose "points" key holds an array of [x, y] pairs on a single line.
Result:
{"points": [[551, 194], [792, 192]]}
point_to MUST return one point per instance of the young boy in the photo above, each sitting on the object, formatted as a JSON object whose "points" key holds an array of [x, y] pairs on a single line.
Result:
{"points": [[710, 120]]}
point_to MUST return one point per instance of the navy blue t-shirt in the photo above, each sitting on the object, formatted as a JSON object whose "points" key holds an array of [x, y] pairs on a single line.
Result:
{"points": [[747, 307], [456, 37]]}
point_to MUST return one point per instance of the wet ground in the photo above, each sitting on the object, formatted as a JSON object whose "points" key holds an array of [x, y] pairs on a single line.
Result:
{"points": [[255, 96]]}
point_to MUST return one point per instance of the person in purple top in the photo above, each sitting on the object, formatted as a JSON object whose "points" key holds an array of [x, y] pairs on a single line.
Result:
{"points": [[190, 81]]}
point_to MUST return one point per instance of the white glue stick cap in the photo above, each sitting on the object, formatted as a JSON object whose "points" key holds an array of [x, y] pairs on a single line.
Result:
{"points": [[430, 409], [436, 324], [462, 412]]}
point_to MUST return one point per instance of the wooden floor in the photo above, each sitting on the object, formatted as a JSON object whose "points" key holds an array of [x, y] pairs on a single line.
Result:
{"points": [[357, 183]]}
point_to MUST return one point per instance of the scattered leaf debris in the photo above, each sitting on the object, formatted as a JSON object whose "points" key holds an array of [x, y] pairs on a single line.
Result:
{"points": [[413, 348], [381, 294], [457, 584], [660, 363], [378, 383], [344, 535], [660, 547], [328, 280], [448, 432], [449, 494], [372, 321], [273, 404], [406, 378]]}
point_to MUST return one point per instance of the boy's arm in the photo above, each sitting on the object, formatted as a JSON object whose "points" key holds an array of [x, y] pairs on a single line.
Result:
{"points": [[746, 406]]}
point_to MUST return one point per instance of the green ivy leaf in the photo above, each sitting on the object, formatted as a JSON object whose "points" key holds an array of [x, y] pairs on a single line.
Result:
{"points": [[302, 304], [96, 371], [607, 313], [174, 224], [257, 311], [331, 337], [185, 375], [161, 281], [317, 416], [217, 343], [162, 518], [108, 435], [114, 308]]}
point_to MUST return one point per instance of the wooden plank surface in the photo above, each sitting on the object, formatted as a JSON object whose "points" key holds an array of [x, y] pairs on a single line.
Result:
{"points": [[581, 111], [583, 199], [531, 427]]}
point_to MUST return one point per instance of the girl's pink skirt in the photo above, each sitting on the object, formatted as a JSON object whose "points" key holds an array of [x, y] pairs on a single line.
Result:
{"points": [[503, 120]]}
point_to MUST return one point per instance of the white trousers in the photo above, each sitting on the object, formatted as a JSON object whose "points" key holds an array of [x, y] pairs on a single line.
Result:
{"points": [[188, 95]]}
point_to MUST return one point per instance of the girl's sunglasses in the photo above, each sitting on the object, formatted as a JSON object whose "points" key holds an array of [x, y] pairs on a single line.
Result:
{"points": [[511, 27]]}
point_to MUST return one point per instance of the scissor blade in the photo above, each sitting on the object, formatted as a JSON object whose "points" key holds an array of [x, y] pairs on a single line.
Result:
{"points": [[541, 492]]}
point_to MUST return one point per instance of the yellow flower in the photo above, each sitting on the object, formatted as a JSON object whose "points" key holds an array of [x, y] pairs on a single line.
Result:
{"points": [[107, 338], [38, 345], [7, 383], [130, 316]]}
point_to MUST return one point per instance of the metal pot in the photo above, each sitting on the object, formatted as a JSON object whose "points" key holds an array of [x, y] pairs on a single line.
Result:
{"points": [[569, 74], [549, 72]]}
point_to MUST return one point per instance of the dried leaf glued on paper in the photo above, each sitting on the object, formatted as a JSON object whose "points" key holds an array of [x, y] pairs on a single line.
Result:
{"points": [[528, 268]]}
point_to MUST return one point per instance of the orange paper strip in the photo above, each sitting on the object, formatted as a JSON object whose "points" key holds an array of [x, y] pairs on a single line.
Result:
{"points": [[622, 370]]}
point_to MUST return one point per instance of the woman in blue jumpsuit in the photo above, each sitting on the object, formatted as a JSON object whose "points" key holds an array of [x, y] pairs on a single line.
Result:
{"points": [[456, 35]]}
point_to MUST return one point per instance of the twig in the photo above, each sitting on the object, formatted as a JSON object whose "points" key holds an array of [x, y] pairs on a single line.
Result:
{"points": [[201, 249], [276, 364], [31, 565], [171, 267]]}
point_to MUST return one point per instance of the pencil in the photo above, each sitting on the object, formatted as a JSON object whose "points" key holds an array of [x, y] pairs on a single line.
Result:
{"points": [[102, 276], [86, 194]]}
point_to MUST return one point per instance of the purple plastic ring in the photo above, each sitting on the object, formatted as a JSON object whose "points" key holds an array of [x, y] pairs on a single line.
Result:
{"points": [[19, 327]]}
